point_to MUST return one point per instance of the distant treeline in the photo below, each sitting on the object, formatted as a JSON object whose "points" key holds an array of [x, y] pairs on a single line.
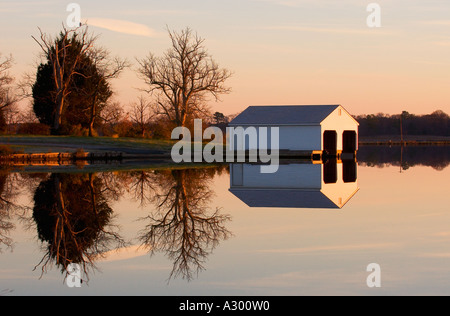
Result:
{"points": [[434, 124]]}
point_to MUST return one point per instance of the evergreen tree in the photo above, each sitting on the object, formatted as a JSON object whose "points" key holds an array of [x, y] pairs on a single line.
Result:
{"points": [[85, 88]]}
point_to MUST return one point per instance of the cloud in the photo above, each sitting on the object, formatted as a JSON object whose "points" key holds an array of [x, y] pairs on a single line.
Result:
{"points": [[141, 12], [121, 26], [124, 254]]}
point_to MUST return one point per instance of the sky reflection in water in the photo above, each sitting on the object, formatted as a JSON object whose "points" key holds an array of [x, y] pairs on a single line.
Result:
{"points": [[192, 231]]}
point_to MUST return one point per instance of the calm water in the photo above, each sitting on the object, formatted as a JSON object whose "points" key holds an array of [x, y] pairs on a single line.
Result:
{"points": [[310, 229]]}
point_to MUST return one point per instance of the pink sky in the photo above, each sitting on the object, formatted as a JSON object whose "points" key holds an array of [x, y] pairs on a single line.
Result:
{"points": [[281, 52]]}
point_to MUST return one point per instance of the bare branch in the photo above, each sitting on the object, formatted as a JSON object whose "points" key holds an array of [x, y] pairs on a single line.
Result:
{"points": [[183, 77], [142, 113]]}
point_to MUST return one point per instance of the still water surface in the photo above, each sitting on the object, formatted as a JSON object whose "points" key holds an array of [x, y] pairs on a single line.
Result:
{"points": [[311, 229]]}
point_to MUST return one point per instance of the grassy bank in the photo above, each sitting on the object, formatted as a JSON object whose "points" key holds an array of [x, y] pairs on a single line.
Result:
{"points": [[129, 147], [44, 144], [137, 146]]}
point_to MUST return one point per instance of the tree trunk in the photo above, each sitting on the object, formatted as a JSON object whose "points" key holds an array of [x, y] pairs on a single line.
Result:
{"points": [[91, 122], [92, 116], [58, 112], [91, 128]]}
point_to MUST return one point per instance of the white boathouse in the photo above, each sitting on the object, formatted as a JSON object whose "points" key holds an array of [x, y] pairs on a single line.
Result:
{"points": [[323, 129]]}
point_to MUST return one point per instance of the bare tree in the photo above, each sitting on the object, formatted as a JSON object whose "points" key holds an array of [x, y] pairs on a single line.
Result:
{"points": [[108, 68], [142, 114], [27, 115], [112, 113], [56, 50], [183, 77], [7, 96], [11, 116]]}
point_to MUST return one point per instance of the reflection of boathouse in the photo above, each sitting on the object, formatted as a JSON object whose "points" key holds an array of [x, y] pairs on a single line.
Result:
{"points": [[318, 129], [303, 185]]}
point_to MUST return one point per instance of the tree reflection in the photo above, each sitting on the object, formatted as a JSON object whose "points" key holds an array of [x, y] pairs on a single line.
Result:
{"points": [[181, 226], [6, 204], [10, 191], [405, 157], [142, 186], [73, 219]]}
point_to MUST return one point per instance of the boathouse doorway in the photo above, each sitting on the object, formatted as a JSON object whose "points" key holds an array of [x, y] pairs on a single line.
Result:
{"points": [[349, 142], [330, 142]]}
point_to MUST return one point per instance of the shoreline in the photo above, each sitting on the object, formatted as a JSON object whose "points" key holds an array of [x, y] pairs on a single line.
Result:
{"points": [[57, 149], [404, 143]]}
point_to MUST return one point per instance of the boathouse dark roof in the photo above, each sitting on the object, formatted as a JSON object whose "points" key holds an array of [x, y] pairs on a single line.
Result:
{"points": [[284, 115], [292, 198]]}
